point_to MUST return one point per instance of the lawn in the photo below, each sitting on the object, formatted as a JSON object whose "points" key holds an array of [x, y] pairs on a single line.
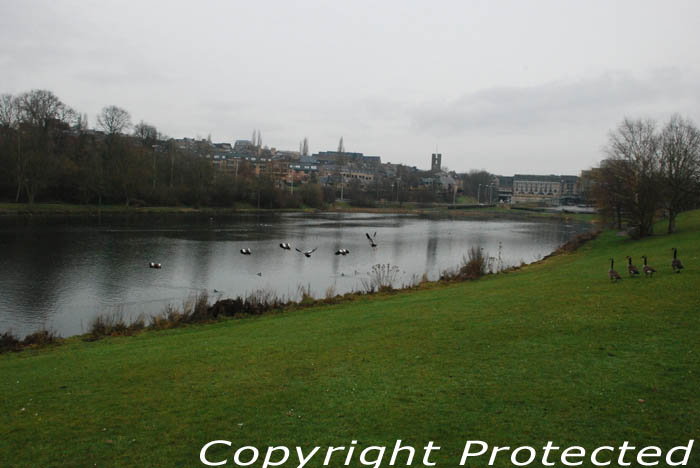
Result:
{"points": [[551, 352]]}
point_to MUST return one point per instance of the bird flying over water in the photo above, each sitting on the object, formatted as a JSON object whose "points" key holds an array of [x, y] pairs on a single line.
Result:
{"points": [[342, 252], [245, 251], [285, 246], [371, 238], [307, 253]]}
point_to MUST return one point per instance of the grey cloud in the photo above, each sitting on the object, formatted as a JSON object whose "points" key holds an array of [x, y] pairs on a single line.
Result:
{"points": [[511, 109]]}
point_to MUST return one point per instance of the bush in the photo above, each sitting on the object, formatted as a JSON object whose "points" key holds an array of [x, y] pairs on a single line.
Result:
{"points": [[380, 278], [476, 266]]}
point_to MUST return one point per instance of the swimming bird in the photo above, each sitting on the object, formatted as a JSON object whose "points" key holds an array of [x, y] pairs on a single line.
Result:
{"points": [[307, 253], [154, 265], [371, 239], [246, 251], [259, 273], [676, 263], [614, 276], [631, 269], [285, 246], [342, 252], [648, 270]]}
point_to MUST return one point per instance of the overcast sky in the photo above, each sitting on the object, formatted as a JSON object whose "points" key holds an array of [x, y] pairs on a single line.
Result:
{"points": [[507, 86]]}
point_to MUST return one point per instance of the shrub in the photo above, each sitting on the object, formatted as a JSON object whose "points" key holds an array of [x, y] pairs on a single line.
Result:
{"points": [[380, 278], [476, 266], [9, 342]]}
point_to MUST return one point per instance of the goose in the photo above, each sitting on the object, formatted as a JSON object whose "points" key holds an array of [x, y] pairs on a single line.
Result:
{"points": [[648, 271], [154, 265], [676, 263], [285, 246], [614, 276], [307, 253], [631, 269], [245, 251], [371, 239], [342, 252]]}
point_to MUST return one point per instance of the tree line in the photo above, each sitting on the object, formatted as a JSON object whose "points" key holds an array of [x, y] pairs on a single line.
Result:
{"points": [[650, 171], [49, 153]]}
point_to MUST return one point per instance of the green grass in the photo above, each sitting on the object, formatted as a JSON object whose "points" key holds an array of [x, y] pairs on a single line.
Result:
{"points": [[551, 352]]}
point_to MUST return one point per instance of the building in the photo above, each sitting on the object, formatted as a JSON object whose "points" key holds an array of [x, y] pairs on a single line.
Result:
{"points": [[547, 189], [436, 162], [505, 188]]}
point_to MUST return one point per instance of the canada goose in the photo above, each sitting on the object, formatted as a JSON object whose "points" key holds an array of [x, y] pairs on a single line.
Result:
{"points": [[648, 271], [614, 276], [307, 253], [154, 265], [246, 251], [371, 239], [631, 269], [285, 246], [342, 252], [676, 263]]}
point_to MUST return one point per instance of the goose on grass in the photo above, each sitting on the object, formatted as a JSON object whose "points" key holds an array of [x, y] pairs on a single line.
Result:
{"points": [[631, 269], [648, 270], [676, 264], [612, 274]]}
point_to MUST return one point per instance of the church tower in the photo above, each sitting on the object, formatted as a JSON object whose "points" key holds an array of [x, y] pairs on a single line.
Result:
{"points": [[436, 162]]}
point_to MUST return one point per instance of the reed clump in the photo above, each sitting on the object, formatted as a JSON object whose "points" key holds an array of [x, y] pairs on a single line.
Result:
{"points": [[10, 342]]}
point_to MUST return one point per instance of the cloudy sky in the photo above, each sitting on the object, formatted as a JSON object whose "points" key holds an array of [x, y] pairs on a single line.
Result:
{"points": [[507, 86]]}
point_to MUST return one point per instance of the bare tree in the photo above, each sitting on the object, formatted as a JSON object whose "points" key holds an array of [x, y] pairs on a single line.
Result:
{"points": [[608, 185], [148, 134], [114, 120], [680, 159], [9, 111], [41, 113], [39, 108], [635, 145]]}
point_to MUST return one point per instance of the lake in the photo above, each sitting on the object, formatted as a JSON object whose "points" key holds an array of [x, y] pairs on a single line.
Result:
{"points": [[62, 275]]}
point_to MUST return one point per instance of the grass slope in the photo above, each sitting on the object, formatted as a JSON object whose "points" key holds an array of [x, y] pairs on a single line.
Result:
{"points": [[552, 352]]}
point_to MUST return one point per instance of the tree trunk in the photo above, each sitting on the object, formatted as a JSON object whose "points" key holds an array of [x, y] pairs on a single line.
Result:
{"points": [[672, 221], [30, 194], [19, 191]]}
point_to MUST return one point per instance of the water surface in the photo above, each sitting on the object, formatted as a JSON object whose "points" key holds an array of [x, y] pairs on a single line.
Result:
{"points": [[63, 275]]}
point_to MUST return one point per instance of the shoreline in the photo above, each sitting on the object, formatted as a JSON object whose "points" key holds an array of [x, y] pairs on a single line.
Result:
{"points": [[55, 211], [248, 307], [551, 343]]}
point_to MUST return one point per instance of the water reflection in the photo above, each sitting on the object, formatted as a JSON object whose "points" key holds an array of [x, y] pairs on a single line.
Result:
{"points": [[63, 275]]}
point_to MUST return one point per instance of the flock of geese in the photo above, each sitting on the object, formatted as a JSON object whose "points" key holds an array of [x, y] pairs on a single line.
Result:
{"points": [[286, 246], [648, 270]]}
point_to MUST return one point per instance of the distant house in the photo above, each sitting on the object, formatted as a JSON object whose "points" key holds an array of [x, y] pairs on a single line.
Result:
{"points": [[550, 189]]}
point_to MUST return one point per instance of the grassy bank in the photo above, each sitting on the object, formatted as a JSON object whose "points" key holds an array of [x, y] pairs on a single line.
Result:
{"points": [[551, 352]]}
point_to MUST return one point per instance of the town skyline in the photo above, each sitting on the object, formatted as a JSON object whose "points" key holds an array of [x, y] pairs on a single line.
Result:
{"points": [[508, 87]]}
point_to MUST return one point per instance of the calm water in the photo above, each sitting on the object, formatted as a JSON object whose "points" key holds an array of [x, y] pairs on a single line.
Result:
{"points": [[61, 276]]}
